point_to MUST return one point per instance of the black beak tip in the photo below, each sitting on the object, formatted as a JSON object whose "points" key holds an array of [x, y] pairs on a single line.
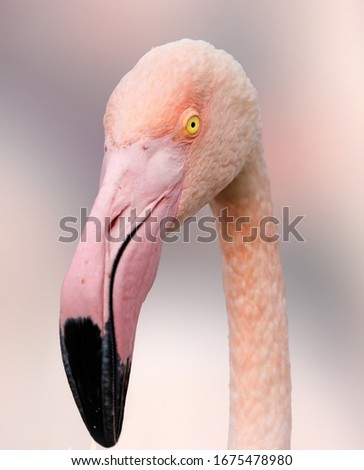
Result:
{"points": [[97, 378], [101, 438]]}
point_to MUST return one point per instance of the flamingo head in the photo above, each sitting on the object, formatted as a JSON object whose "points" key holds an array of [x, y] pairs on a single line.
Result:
{"points": [[178, 129]]}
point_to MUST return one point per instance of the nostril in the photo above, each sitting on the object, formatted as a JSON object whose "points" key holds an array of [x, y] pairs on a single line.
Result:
{"points": [[112, 224], [116, 227], [116, 230]]}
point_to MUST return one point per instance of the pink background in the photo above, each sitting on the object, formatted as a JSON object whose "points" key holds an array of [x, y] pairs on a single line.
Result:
{"points": [[59, 62]]}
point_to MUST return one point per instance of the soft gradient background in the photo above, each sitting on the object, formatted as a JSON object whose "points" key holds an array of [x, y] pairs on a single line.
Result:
{"points": [[59, 62]]}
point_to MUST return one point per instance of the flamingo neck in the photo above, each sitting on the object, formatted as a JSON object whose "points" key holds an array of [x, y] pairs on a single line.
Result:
{"points": [[260, 385]]}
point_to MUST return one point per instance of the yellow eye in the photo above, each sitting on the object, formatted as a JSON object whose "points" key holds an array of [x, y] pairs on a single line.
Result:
{"points": [[193, 125]]}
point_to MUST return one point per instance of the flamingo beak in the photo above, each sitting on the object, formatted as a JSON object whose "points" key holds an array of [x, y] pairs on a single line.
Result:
{"points": [[110, 275]]}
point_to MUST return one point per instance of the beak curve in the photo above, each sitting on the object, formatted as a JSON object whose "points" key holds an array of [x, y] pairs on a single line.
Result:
{"points": [[110, 275]]}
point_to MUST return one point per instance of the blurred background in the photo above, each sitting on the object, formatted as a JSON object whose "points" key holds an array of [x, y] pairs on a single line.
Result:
{"points": [[59, 62]]}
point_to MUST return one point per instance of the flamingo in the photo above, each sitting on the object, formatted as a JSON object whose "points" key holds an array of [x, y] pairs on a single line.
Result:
{"points": [[182, 129]]}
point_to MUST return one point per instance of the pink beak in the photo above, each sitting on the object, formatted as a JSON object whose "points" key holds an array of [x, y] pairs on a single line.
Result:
{"points": [[110, 275]]}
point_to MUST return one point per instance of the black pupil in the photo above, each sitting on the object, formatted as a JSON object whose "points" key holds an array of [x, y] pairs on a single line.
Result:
{"points": [[193, 124]]}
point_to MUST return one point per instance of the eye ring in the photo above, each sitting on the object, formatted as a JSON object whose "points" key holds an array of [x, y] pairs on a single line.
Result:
{"points": [[193, 125]]}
